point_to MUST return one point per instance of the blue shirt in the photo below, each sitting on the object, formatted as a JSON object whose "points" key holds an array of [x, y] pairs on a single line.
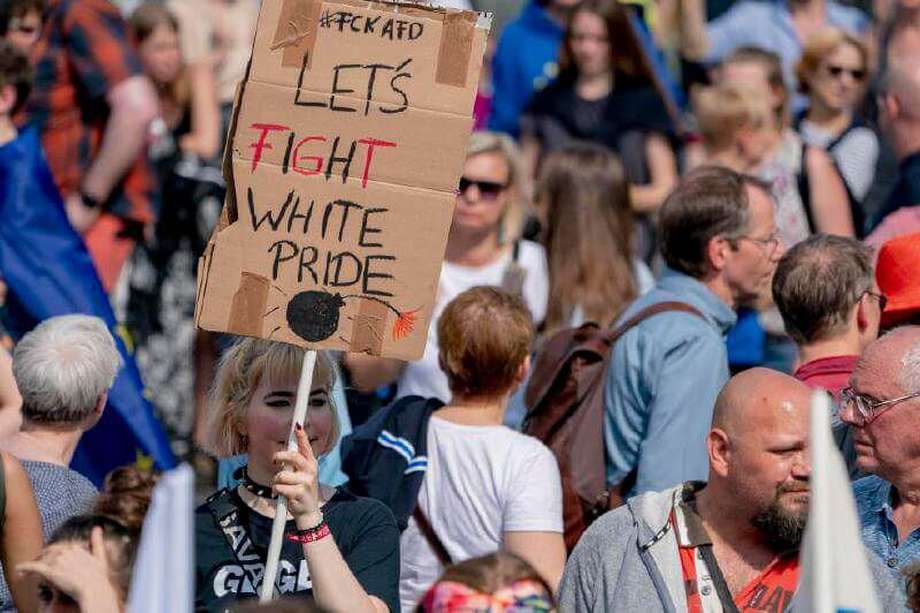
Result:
{"points": [[873, 501], [662, 385], [768, 25], [525, 61]]}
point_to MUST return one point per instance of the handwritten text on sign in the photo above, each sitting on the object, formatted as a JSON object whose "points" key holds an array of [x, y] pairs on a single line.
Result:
{"points": [[345, 158]]}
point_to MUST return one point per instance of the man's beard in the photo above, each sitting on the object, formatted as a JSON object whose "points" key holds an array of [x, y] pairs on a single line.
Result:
{"points": [[782, 527]]}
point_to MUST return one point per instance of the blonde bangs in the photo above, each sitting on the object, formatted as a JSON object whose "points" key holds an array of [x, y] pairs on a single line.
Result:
{"points": [[240, 372]]}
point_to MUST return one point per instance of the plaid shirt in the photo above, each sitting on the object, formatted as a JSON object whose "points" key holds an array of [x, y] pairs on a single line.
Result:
{"points": [[83, 53]]}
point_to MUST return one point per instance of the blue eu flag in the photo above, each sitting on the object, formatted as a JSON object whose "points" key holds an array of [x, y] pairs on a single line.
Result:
{"points": [[49, 272]]}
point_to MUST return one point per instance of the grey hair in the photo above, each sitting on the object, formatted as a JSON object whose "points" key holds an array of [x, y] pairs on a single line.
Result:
{"points": [[909, 376], [63, 366]]}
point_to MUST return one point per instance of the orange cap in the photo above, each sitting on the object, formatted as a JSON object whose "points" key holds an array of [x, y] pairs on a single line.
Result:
{"points": [[897, 273]]}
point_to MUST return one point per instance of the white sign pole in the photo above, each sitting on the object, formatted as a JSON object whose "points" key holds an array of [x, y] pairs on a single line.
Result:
{"points": [[267, 593]]}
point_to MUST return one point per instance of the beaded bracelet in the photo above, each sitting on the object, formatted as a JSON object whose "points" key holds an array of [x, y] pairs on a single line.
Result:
{"points": [[311, 534]]}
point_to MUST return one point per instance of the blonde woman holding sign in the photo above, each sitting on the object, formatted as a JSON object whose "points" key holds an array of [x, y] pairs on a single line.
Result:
{"points": [[341, 549]]}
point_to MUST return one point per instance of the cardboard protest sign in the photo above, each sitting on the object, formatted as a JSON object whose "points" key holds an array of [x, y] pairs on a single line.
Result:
{"points": [[346, 148]]}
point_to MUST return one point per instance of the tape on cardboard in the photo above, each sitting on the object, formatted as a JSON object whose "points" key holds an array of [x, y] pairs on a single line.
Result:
{"points": [[456, 47], [296, 31], [370, 323], [247, 310]]}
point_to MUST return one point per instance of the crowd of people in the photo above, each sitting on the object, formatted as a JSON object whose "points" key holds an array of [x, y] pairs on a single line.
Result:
{"points": [[675, 220]]}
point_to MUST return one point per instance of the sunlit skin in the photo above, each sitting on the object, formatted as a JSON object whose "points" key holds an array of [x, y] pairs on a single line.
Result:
{"points": [[759, 461], [763, 418], [23, 31], [268, 423], [161, 55], [887, 445], [475, 212], [590, 44], [838, 92], [749, 266]]}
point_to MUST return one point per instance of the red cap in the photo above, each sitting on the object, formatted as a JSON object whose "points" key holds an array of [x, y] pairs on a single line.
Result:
{"points": [[897, 272]]}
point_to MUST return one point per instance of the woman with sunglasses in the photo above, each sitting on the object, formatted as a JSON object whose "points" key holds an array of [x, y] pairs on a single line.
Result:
{"points": [[483, 248], [833, 73]]}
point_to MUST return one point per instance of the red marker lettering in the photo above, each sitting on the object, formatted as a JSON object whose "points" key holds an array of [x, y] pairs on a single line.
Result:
{"points": [[295, 156], [260, 145], [371, 143]]}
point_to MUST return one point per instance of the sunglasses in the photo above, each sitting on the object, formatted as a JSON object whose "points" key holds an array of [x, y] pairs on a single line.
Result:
{"points": [[858, 74], [488, 190]]}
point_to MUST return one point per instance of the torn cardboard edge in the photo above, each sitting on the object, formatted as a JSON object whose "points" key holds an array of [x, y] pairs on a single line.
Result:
{"points": [[297, 29]]}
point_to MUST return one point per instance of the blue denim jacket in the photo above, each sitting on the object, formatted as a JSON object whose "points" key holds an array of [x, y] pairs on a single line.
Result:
{"points": [[662, 385], [879, 533]]}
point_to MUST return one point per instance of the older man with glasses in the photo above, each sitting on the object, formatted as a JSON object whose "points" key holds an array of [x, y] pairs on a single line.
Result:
{"points": [[882, 406]]}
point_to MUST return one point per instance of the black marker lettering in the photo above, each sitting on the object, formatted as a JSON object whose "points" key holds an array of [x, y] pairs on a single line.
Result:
{"points": [[335, 88], [277, 246], [272, 221], [337, 280], [405, 99], [346, 205], [333, 159], [368, 275], [365, 229], [303, 70], [295, 215], [307, 262]]}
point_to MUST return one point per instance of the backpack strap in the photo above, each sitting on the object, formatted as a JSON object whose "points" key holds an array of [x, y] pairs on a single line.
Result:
{"points": [[431, 536], [651, 311], [227, 517], [514, 275]]}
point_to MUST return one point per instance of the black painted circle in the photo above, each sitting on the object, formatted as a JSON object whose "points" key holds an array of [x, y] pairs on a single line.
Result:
{"points": [[313, 315]]}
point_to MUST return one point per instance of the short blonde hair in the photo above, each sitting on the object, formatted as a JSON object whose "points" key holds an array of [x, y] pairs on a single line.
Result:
{"points": [[240, 372], [818, 46], [722, 110], [518, 208]]}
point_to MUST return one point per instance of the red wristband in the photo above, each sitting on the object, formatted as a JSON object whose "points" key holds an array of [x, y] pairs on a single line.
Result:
{"points": [[308, 536]]}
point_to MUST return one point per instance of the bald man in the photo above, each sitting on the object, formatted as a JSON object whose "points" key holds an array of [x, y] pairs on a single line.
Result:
{"points": [[883, 408], [731, 543], [899, 117]]}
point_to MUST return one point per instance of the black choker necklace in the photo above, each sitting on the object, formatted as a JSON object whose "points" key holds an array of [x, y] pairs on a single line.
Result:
{"points": [[262, 491]]}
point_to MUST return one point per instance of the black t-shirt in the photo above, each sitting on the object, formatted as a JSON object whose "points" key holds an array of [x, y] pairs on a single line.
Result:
{"points": [[557, 115], [364, 531], [633, 105]]}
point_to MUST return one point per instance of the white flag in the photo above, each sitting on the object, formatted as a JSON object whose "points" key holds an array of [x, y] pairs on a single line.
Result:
{"points": [[164, 571], [835, 575]]}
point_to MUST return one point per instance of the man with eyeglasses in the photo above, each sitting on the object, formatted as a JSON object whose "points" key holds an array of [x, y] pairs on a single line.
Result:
{"points": [[882, 406], [825, 290], [718, 237]]}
